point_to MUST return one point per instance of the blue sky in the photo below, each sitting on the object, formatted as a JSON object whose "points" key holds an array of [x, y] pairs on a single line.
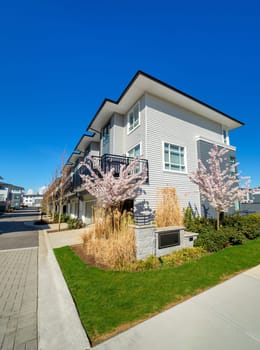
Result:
{"points": [[60, 59]]}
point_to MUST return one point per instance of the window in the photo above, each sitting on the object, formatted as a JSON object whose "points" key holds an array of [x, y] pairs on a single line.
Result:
{"points": [[133, 118], [233, 169], [135, 151], [174, 157], [225, 136], [105, 139]]}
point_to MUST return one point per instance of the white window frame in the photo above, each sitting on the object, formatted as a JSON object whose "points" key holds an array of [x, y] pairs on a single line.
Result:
{"points": [[128, 118], [185, 171], [225, 136], [132, 148]]}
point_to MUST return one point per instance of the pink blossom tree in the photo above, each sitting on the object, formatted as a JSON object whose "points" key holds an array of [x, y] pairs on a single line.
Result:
{"points": [[219, 183], [110, 190]]}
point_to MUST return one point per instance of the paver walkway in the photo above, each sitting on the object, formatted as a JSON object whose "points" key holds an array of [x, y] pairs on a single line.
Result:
{"points": [[18, 299]]}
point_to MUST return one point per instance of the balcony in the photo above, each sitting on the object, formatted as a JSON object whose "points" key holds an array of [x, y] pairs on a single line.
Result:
{"points": [[108, 162]]}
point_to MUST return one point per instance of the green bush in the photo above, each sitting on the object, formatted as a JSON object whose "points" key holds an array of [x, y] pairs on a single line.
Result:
{"points": [[74, 223], [234, 236], [212, 240], [150, 263], [195, 223], [64, 218], [235, 229], [183, 255], [249, 225], [176, 258]]}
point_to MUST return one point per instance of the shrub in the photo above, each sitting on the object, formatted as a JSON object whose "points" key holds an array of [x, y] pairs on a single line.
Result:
{"points": [[174, 259], [183, 255], [212, 240], [234, 230], [249, 225], [150, 263], [234, 236], [74, 223], [197, 224], [64, 218]]}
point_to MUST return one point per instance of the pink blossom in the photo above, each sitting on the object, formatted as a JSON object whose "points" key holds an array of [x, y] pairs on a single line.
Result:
{"points": [[112, 190], [219, 184]]}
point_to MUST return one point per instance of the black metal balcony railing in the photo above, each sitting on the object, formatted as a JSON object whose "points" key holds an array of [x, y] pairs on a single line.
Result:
{"points": [[108, 162]]}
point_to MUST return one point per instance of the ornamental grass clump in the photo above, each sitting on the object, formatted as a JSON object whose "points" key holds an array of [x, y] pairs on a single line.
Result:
{"points": [[168, 212], [110, 240]]}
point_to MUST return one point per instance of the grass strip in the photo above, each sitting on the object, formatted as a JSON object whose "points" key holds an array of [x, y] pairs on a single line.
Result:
{"points": [[108, 301]]}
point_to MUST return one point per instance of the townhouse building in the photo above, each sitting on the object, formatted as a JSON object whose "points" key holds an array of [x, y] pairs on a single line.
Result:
{"points": [[167, 128]]}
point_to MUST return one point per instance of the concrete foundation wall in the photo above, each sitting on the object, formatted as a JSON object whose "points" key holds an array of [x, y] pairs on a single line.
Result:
{"points": [[147, 240]]}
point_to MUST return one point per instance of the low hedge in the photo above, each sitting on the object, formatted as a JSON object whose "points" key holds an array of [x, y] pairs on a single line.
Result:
{"points": [[234, 230]]}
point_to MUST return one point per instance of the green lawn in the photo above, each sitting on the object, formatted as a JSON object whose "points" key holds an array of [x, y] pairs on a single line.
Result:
{"points": [[110, 300]]}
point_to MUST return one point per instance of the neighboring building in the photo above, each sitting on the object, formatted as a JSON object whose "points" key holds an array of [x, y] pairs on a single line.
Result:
{"points": [[11, 196], [168, 128], [252, 203], [4, 190], [32, 200]]}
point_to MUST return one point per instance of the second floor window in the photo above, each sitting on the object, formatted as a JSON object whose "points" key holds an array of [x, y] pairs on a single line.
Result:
{"points": [[135, 151], [106, 139], [225, 136], [133, 118], [174, 157]]}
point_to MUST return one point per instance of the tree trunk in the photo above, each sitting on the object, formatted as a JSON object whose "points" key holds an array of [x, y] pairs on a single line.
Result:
{"points": [[60, 213]]}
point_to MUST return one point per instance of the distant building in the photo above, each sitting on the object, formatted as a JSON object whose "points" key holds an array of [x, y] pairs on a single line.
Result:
{"points": [[32, 200], [11, 196], [252, 203]]}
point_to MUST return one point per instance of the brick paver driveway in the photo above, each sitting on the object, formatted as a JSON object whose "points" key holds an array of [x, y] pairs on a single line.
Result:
{"points": [[18, 281]]}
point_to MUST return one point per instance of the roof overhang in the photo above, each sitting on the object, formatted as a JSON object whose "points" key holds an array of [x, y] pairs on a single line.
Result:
{"points": [[85, 141], [143, 83], [79, 150]]}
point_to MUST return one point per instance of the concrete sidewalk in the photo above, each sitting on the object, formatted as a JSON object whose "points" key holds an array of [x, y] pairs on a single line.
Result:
{"points": [[59, 325], [222, 318]]}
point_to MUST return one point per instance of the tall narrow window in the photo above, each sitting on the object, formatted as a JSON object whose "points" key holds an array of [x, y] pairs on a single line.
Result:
{"points": [[106, 139], [174, 158], [232, 161], [133, 118], [225, 136], [133, 153]]}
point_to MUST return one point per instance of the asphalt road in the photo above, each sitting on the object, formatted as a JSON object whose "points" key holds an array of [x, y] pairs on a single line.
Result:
{"points": [[15, 229]]}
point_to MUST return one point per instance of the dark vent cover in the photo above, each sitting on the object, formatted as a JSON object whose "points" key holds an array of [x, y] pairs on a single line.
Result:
{"points": [[169, 239]]}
